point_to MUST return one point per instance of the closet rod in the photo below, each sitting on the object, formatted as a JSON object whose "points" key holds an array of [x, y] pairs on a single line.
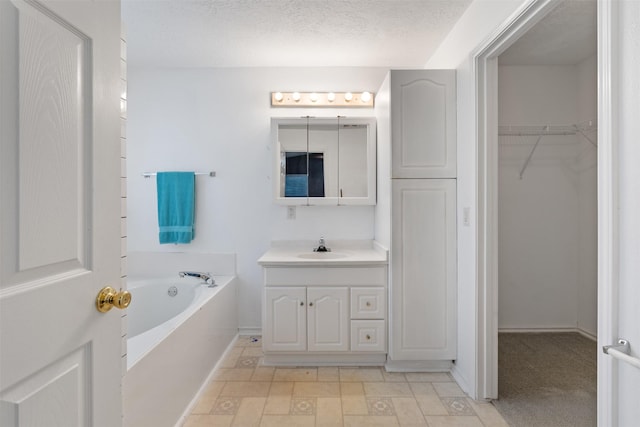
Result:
{"points": [[150, 174]]}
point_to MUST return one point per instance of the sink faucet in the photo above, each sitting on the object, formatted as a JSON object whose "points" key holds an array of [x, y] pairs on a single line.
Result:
{"points": [[321, 246], [204, 276]]}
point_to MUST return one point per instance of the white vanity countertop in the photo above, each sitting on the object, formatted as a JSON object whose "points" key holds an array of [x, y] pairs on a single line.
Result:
{"points": [[343, 253]]}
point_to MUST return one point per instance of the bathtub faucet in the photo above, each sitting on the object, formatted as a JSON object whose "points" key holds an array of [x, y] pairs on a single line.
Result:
{"points": [[204, 276]]}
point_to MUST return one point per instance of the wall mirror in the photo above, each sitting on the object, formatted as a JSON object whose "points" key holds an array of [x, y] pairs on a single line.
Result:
{"points": [[324, 161]]}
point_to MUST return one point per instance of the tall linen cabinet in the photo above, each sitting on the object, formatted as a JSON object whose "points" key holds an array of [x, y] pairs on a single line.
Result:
{"points": [[416, 114]]}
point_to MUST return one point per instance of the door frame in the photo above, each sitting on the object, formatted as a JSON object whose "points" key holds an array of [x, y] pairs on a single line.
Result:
{"points": [[485, 63]]}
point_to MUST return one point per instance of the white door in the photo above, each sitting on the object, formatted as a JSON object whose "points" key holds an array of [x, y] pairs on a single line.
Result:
{"points": [[328, 318], [285, 322], [619, 202], [60, 359]]}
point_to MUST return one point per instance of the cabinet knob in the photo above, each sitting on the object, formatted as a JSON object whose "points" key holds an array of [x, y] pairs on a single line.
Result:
{"points": [[310, 304], [301, 303], [368, 304], [368, 337]]}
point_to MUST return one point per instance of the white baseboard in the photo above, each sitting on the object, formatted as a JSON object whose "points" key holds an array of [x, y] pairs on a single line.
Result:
{"points": [[587, 334], [462, 382], [582, 332], [249, 331], [418, 365], [314, 359]]}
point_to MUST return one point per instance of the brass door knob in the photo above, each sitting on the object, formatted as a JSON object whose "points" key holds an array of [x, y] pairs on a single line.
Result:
{"points": [[109, 297]]}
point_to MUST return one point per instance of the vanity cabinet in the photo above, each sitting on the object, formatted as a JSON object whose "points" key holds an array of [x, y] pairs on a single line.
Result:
{"points": [[325, 315], [300, 318], [423, 123]]}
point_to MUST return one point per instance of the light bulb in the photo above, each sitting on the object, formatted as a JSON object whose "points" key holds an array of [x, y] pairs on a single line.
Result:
{"points": [[278, 96], [331, 97], [296, 96], [313, 97], [348, 96], [365, 97]]}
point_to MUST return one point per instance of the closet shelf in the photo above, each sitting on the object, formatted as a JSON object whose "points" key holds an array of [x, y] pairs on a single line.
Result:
{"points": [[541, 131]]}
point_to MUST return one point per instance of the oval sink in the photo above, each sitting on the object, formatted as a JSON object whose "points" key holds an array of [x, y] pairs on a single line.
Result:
{"points": [[322, 255]]}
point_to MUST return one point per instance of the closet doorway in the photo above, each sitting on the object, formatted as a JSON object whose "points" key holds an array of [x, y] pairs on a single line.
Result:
{"points": [[547, 221]]}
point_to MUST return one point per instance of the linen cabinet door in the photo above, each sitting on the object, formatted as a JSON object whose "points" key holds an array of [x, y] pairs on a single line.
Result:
{"points": [[328, 318], [285, 326], [423, 313], [423, 123]]}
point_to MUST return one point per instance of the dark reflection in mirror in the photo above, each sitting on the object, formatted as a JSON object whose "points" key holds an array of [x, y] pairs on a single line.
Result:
{"points": [[297, 182]]}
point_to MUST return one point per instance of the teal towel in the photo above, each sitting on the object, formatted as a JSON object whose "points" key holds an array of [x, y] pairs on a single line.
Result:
{"points": [[176, 202]]}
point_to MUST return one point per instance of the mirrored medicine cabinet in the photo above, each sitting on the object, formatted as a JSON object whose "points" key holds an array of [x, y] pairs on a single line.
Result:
{"points": [[324, 161]]}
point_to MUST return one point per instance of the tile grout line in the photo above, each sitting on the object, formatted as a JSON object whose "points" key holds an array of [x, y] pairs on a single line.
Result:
{"points": [[340, 395]]}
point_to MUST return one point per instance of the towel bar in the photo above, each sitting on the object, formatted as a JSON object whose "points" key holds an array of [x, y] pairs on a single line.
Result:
{"points": [[150, 174], [621, 351]]}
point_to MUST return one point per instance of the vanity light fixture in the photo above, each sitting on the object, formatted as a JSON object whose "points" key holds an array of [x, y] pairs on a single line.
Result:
{"points": [[322, 99]]}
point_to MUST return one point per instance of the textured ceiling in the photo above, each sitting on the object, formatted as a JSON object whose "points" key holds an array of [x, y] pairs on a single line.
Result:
{"points": [[283, 33], [565, 36]]}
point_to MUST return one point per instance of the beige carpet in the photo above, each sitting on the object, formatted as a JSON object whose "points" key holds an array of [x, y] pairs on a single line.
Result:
{"points": [[547, 380]]}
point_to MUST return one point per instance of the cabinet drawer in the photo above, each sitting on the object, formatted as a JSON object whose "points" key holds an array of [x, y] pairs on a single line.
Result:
{"points": [[368, 303], [368, 335]]}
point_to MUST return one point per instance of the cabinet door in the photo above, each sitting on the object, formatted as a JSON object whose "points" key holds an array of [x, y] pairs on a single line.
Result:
{"points": [[423, 123], [328, 318], [285, 327], [423, 288]]}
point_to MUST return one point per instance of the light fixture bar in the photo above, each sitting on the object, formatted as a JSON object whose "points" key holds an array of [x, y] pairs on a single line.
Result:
{"points": [[322, 99]]}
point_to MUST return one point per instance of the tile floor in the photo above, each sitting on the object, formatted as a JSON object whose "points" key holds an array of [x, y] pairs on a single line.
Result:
{"points": [[245, 393]]}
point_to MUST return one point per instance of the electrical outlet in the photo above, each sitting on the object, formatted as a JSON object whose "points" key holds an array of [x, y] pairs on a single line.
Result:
{"points": [[291, 212]]}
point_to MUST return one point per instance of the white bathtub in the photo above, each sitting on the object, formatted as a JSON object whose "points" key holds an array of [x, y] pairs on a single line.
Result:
{"points": [[174, 344], [156, 314]]}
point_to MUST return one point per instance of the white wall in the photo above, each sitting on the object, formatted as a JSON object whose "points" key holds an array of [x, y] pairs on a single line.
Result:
{"points": [[219, 119], [587, 74], [480, 21], [383, 206], [547, 219]]}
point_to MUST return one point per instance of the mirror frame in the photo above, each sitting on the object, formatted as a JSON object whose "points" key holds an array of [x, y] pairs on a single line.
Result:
{"points": [[370, 199]]}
